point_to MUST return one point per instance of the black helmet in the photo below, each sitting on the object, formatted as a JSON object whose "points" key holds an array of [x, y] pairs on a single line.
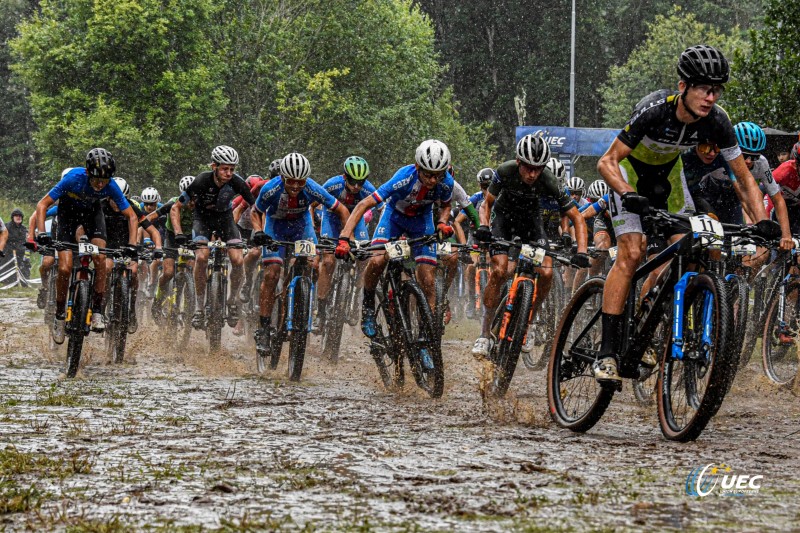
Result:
{"points": [[100, 164], [703, 64], [275, 168], [485, 176]]}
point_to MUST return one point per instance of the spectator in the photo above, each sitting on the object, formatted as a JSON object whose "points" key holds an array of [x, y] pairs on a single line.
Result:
{"points": [[783, 156], [17, 234]]}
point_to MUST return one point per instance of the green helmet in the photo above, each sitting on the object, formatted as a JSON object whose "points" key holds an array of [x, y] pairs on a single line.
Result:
{"points": [[356, 167]]}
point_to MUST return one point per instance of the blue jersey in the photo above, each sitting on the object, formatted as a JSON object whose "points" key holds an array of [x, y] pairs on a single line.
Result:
{"points": [[336, 187], [74, 187], [276, 203], [404, 192]]}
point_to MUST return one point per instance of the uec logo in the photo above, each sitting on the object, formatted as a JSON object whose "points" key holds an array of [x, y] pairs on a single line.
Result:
{"points": [[702, 481]]}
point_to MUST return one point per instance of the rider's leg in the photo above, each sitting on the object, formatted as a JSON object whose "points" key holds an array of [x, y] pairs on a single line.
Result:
{"points": [[62, 281], [618, 284], [498, 274], [200, 266], [237, 273], [426, 276]]}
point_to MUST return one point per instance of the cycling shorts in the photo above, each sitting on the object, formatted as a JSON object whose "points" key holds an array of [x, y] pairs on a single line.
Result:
{"points": [[245, 233], [525, 225], [331, 227], [394, 224], [72, 216], [222, 224], [600, 225], [282, 229]]}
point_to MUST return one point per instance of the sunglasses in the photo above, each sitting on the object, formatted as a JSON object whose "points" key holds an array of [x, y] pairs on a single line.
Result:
{"points": [[707, 148], [352, 181], [294, 182], [752, 157], [438, 176], [150, 204], [708, 90]]}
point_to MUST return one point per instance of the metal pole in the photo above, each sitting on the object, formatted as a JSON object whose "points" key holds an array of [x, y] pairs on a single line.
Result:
{"points": [[572, 72]]}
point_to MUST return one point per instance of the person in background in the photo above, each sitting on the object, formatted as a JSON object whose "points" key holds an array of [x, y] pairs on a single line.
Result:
{"points": [[17, 235]]}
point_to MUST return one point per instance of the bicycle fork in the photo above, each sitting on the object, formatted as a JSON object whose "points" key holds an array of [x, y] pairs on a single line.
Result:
{"points": [[290, 323], [678, 340], [512, 293]]}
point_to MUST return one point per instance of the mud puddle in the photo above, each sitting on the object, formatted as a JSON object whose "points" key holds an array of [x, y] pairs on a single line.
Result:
{"points": [[182, 440]]}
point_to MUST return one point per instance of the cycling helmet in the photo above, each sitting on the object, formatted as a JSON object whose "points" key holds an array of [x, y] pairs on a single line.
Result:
{"points": [[703, 64], [252, 180], [750, 136], [150, 195], [576, 185], [557, 168], [185, 182], [485, 176], [224, 155], [432, 155], [123, 186], [136, 198], [533, 150], [275, 168], [295, 166], [100, 164], [356, 168], [598, 189]]}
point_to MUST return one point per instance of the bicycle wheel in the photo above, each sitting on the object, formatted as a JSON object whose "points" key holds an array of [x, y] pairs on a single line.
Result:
{"points": [[691, 389], [78, 324], [277, 329], [575, 399], [779, 352], [385, 347], [441, 298], [645, 389], [755, 324], [422, 342], [215, 298], [121, 317], [299, 333], [185, 305], [738, 300], [334, 318], [483, 280], [508, 347], [50, 306]]}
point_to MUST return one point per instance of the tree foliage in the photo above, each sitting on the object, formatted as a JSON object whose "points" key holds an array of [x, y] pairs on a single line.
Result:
{"points": [[651, 66], [767, 87]]}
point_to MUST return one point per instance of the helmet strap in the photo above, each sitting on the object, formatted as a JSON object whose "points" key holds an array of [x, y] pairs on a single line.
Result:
{"points": [[686, 106]]}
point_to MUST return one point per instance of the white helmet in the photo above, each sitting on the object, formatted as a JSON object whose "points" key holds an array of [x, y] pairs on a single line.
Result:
{"points": [[557, 168], [576, 185], [432, 155], [533, 150], [123, 186], [224, 155], [185, 182], [150, 196], [598, 189], [295, 166]]}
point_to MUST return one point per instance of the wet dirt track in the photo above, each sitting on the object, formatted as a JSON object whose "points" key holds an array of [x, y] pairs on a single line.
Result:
{"points": [[182, 440]]}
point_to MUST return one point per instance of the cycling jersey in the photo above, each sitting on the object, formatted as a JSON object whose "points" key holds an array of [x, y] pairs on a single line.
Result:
{"points": [[186, 215], [75, 192], [211, 199], [515, 195], [331, 225], [117, 224]]}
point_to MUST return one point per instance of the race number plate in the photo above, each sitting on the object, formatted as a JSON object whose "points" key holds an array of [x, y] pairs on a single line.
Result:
{"points": [[398, 249], [305, 249], [534, 255], [743, 249], [216, 244], [185, 252], [708, 230], [444, 248], [612, 253], [86, 248]]}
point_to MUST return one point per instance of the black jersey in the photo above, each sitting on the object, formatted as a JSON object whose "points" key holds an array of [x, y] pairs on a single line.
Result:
{"points": [[209, 198], [515, 195]]}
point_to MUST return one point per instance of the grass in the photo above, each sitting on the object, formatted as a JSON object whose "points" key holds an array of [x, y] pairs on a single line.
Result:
{"points": [[54, 397]]}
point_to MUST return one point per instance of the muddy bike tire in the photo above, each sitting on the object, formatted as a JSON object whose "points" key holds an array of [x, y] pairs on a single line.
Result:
{"points": [[506, 354], [385, 347], [77, 326], [335, 317], [215, 296], [185, 305], [441, 298], [483, 280], [299, 334], [563, 370], [352, 302], [755, 324], [549, 313], [50, 305], [738, 300], [678, 385], [420, 333], [277, 326], [121, 318], [780, 362]]}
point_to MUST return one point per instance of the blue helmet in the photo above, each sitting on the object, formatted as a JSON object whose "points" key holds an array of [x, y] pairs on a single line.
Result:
{"points": [[750, 136]]}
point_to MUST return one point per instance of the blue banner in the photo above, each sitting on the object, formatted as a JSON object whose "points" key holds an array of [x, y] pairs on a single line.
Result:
{"points": [[573, 141]]}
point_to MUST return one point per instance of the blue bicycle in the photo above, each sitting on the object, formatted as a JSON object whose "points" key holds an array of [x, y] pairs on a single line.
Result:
{"points": [[685, 320]]}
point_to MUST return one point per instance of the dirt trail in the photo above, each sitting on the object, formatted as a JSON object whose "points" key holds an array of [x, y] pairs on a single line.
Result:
{"points": [[183, 439]]}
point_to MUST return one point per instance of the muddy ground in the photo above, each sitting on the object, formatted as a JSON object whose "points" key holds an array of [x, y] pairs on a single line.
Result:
{"points": [[183, 441]]}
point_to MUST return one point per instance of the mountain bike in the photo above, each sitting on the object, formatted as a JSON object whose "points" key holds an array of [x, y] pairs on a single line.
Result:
{"points": [[405, 325], [343, 287], [779, 353], [515, 312], [481, 279], [118, 305], [697, 361], [180, 302]]}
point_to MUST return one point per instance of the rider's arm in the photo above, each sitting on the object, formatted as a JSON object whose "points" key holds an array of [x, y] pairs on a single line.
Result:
{"points": [[608, 166], [155, 236], [358, 213], [237, 211], [580, 228], [175, 216], [752, 195], [342, 212], [32, 226], [486, 209], [782, 213], [459, 232], [41, 211], [133, 225], [473, 214]]}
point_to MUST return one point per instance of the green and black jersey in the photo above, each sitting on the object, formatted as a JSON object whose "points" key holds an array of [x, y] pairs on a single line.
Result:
{"points": [[514, 195]]}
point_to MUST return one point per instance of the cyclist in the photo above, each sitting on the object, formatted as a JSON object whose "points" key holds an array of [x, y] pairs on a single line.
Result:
{"points": [[408, 199], [151, 201], [484, 178], [349, 188], [116, 231], [79, 193], [512, 208], [787, 176], [171, 251], [283, 211], [598, 217], [241, 214], [213, 192], [646, 157]]}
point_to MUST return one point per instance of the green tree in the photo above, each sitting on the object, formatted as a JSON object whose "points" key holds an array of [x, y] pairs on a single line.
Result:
{"points": [[138, 77], [651, 66], [768, 83]]}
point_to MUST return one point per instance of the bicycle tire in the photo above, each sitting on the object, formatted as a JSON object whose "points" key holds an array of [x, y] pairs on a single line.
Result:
{"points": [[277, 326], [720, 369], [215, 296], [420, 334], [299, 334], [385, 348], [77, 327], [755, 324], [738, 300], [773, 352], [185, 303], [335, 317], [438, 313], [561, 370], [123, 302], [50, 305], [509, 347]]}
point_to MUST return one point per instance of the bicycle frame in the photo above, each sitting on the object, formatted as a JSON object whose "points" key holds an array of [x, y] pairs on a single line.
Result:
{"points": [[299, 273], [80, 272]]}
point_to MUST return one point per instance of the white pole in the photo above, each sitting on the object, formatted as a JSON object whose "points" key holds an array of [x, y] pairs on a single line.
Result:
{"points": [[572, 72]]}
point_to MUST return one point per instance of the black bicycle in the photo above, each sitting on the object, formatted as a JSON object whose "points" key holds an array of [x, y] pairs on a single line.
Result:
{"points": [[781, 328], [405, 326], [339, 307], [118, 305]]}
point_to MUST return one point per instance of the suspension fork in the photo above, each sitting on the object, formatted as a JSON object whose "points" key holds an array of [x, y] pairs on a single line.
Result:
{"points": [[300, 275], [512, 293]]}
